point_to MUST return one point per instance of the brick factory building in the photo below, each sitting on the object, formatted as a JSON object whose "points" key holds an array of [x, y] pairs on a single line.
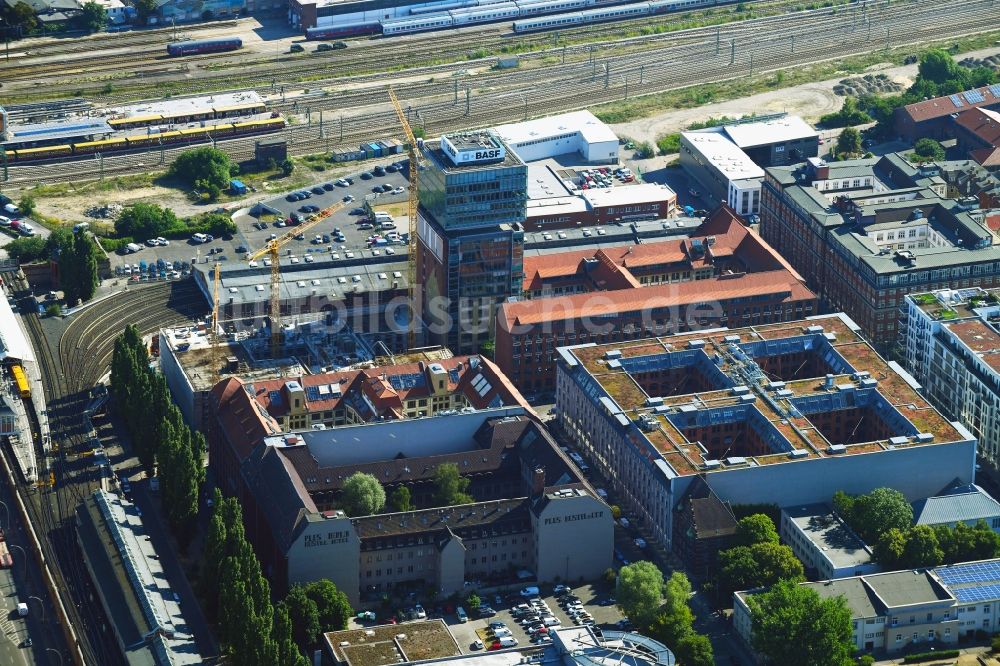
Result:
{"points": [[864, 233], [723, 275], [784, 413], [933, 118]]}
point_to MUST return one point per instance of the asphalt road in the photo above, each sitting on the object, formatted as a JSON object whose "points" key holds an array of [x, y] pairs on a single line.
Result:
{"points": [[248, 237]]}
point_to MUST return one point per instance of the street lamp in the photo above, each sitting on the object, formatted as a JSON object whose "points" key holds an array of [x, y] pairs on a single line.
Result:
{"points": [[41, 604], [14, 545], [6, 512], [58, 654]]}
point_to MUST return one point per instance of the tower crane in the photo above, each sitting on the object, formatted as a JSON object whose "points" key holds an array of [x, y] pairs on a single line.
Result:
{"points": [[214, 339], [272, 248], [411, 252]]}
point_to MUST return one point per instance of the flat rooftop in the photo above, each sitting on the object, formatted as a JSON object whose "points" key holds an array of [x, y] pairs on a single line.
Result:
{"points": [[837, 542], [391, 644], [778, 383], [584, 123], [776, 130], [57, 130], [725, 155], [442, 161], [185, 105]]}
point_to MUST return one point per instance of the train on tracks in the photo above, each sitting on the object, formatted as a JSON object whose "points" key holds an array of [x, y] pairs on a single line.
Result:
{"points": [[21, 380], [196, 46], [147, 140], [552, 14]]}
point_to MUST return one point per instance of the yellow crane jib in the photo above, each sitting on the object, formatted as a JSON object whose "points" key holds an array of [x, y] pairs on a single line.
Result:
{"points": [[273, 247], [413, 200]]}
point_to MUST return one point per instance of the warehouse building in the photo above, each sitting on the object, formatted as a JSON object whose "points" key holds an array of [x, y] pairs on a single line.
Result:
{"points": [[530, 510], [960, 503], [978, 133], [577, 133], [864, 233], [782, 413], [909, 610], [723, 275], [952, 347]]}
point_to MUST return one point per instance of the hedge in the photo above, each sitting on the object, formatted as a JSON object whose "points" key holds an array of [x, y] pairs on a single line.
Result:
{"points": [[930, 656]]}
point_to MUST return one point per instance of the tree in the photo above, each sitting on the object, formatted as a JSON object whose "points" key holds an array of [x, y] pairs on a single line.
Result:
{"points": [[69, 271], [921, 549], [849, 114], [28, 249], [362, 495], [282, 648], [929, 149], [694, 650], [675, 619], [937, 66], [92, 17], [888, 550], [141, 221], [791, 624], [144, 9], [450, 486], [872, 514], [207, 169], [756, 528], [23, 15], [287, 166], [640, 591], [644, 150], [473, 600], [849, 142], [27, 205], [304, 616], [399, 500], [759, 565], [334, 608], [488, 348], [86, 258]]}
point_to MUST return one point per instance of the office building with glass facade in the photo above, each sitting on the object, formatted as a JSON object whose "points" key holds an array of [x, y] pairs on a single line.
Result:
{"points": [[473, 193]]}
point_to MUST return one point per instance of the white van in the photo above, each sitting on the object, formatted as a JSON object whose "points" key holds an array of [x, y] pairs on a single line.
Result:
{"points": [[132, 248], [382, 218], [460, 613], [531, 591], [11, 209], [199, 238], [508, 641]]}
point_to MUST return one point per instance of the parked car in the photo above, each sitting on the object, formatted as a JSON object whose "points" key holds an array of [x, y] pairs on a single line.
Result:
{"points": [[476, 645], [421, 613]]}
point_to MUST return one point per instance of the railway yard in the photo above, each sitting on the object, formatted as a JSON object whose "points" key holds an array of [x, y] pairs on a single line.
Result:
{"points": [[330, 104]]}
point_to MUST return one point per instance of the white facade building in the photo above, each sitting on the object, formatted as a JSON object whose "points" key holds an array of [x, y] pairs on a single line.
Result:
{"points": [[577, 132], [826, 545], [952, 348], [726, 171]]}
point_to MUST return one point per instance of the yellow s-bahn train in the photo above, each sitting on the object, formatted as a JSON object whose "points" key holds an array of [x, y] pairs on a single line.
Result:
{"points": [[147, 140], [21, 380]]}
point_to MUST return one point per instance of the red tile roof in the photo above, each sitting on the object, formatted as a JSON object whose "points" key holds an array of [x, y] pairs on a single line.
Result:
{"points": [[943, 106], [659, 296], [243, 421]]}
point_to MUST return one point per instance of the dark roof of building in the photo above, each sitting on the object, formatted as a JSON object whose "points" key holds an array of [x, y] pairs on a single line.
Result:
{"points": [[278, 491], [957, 504], [455, 518]]}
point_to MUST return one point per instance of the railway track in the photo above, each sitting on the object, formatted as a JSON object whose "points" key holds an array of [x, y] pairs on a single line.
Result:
{"points": [[372, 57], [495, 96]]}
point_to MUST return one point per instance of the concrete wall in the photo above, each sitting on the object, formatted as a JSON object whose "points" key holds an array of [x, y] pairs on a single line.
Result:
{"points": [[327, 549], [451, 568], [562, 528]]}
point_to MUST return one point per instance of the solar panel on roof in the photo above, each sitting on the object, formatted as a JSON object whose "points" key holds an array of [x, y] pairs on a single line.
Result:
{"points": [[974, 97], [995, 89], [956, 100], [406, 381]]}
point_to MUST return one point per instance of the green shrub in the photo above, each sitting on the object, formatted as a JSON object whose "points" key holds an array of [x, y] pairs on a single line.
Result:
{"points": [[930, 656], [669, 144], [995, 644]]}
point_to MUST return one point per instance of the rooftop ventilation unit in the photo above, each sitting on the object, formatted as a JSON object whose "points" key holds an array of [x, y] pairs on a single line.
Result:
{"points": [[869, 383], [846, 388], [687, 409], [899, 440], [798, 453], [740, 390], [696, 344], [836, 448], [653, 402], [749, 397], [924, 437], [862, 374], [785, 393], [731, 338], [712, 464], [775, 386], [828, 384], [612, 353], [815, 328]]}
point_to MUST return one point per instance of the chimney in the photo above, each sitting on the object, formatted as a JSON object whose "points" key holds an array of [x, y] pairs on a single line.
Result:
{"points": [[537, 481]]}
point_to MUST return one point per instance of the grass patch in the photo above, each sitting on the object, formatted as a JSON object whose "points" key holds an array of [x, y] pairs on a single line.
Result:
{"points": [[695, 96], [110, 184]]}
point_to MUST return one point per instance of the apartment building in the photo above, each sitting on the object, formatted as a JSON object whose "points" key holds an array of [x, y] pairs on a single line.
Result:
{"points": [[827, 547]]}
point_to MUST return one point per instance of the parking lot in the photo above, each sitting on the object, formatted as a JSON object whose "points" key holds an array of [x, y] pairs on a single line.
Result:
{"points": [[253, 233], [595, 598]]}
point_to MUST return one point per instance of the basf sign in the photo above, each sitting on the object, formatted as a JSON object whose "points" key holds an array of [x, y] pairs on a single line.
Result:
{"points": [[480, 147]]}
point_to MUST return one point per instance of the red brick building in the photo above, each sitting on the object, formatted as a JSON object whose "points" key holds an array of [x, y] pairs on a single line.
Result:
{"points": [[724, 275], [933, 117], [978, 132]]}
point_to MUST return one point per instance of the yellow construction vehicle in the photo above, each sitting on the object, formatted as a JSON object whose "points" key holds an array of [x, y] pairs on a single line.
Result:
{"points": [[272, 248]]}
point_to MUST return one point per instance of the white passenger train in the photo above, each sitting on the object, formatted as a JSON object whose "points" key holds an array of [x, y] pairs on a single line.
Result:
{"points": [[468, 12]]}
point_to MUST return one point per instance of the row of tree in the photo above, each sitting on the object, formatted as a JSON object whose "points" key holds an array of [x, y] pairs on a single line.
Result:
{"points": [[92, 17], [661, 609], [363, 495], [141, 221], [206, 169], [251, 630], [160, 437], [316, 608], [77, 253]]}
